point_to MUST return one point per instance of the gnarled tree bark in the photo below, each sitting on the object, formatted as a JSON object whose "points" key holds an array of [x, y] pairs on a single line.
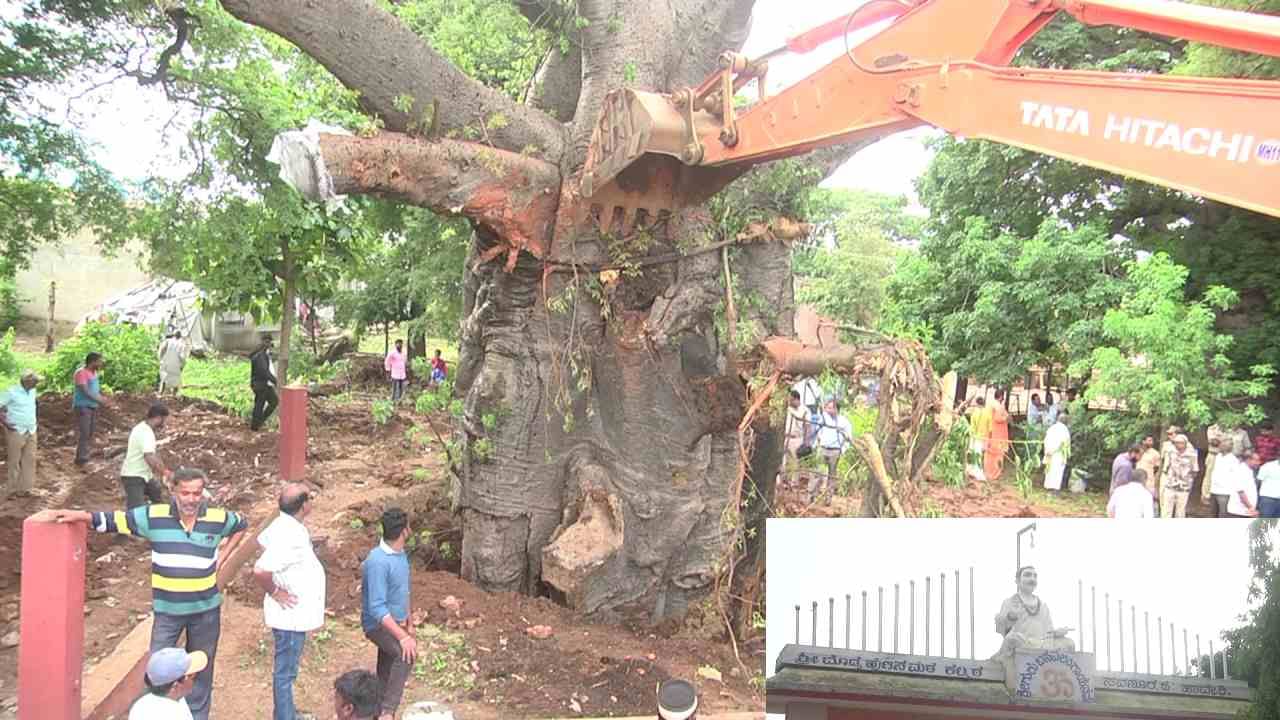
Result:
{"points": [[601, 415]]}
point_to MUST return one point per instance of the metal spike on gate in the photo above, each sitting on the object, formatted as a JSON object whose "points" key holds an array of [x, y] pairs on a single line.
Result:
{"points": [[1106, 606], [942, 614], [864, 620], [895, 618], [831, 622], [1146, 632], [1133, 633], [814, 636], [972, 643], [1160, 642], [912, 623], [880, 620], [928, 607], [848, 601], [1120, 622], [1093, 626], [957, 613]]}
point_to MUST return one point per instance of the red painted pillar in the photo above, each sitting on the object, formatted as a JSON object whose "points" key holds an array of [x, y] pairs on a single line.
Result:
{"points": [[293, 433], [51, 636]]}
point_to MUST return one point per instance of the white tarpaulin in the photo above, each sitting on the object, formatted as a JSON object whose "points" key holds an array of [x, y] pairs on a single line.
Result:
{"points": [[171, 305], [297, 152]]}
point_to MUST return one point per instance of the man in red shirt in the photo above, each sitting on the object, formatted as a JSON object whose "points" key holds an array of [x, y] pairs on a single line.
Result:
{"points": [[1267, 444]]}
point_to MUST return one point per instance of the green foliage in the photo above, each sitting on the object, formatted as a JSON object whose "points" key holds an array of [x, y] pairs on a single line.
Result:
{"points": [[223, 380], [491, 42], [1163, 357], [847, 282], [9, 365], [128, 352], [10, 303], [1255, 645], [481, 449], [50, 186], [382, 411], [949, 463], [996, 303], [413, 278], [1016, 192], [440, 399], [787, 188]]}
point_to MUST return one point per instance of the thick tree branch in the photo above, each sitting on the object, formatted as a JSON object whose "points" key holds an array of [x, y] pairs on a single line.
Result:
{"points": [[373, 53], [513, 195], [558, 83], [182, 25]]}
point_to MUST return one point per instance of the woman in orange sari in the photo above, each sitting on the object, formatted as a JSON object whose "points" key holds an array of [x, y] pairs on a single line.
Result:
{"points": [[998, 441]]}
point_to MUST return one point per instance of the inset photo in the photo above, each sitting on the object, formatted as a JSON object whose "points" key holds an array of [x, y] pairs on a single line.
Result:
{"points": [[1008, 618]]}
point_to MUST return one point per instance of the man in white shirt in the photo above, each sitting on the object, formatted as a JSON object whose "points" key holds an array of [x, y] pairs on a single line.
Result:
{"points": [[294, 581], [1244, 496], [1057, 449], [835, 433], [1131, 500], [142, 465], [1269, 490], [1222, 483], [810, 393], [173, 358], [797, 432], [170, 675]]}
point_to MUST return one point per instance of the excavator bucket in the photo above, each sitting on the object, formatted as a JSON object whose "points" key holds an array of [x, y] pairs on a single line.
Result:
{"points": [[643, 158]]}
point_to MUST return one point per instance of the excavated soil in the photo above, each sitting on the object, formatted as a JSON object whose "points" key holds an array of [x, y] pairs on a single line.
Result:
{"points": [[478, 659]]}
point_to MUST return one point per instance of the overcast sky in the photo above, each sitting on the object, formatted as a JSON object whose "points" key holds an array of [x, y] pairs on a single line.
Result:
{"points": [[1194, 573], [128, 124]]}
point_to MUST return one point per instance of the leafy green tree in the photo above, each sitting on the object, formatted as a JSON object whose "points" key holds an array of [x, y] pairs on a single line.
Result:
{"points": [[1254, 647], [1015, 190], [847, 280], [256, 255], [1162, 356], [994, 303], [50, 187], [413, 279]]}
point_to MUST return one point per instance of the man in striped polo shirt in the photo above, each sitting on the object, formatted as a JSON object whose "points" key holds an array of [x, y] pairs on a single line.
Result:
{"points": [[185, 536]]}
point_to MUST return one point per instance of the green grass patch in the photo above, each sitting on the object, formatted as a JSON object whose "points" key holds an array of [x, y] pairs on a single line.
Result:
{"points": [[220, 379], [1067, 503], [444, 661]]}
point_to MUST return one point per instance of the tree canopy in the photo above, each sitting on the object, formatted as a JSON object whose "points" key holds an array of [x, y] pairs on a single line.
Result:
{"points": [[1030, 260]]}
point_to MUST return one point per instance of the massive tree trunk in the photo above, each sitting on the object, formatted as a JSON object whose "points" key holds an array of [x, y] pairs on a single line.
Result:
{"points": [[601, 422]]}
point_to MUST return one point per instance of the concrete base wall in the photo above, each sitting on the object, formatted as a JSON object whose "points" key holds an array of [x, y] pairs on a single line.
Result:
{"points": [[84, 275]]}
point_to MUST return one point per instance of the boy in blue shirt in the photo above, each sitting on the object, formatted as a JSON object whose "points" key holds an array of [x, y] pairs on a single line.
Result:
{"points": [[384, 613]]}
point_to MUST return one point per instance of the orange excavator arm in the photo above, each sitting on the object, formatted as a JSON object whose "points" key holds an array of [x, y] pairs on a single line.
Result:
{"points": [[944, 63]]}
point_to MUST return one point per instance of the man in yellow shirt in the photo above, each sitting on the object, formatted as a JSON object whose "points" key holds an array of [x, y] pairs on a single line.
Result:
{"points": [[979, 431]]}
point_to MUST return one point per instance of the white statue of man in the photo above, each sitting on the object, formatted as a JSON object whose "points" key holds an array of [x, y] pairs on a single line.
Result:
{"points": [[1025, 623]]}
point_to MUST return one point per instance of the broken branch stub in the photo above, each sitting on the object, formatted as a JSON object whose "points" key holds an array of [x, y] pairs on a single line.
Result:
{"points": [[913, 419], [512, 195]]}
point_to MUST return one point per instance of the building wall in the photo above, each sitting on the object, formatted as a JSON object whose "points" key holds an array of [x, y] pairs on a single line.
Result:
{"points": [[84, 277]]}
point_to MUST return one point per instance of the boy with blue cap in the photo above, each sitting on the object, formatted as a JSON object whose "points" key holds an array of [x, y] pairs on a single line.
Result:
{"points": [[170, 676]]}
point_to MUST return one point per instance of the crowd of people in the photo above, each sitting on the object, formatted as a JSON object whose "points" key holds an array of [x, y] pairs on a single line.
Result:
{"points": [[814, 424], [1241, 475], [191, 539], [18, 411]]}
